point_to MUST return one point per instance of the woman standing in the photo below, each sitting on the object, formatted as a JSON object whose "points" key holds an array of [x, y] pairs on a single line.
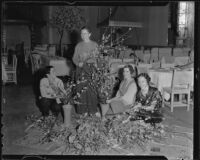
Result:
{"points": [[125, 97], [84, 59]]}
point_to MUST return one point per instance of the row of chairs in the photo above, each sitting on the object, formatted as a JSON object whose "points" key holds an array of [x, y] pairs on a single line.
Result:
{"points": [[11, 71], [156, 54]]}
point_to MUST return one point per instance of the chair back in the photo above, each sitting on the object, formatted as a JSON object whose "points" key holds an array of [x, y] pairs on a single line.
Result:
{"points": [[114, 66], [140, 54], [113, 60], [182, 79], [154, 55], [14, 62], [165, 52], [27, 52], [32, 63], [147, 56], [143, 67]]}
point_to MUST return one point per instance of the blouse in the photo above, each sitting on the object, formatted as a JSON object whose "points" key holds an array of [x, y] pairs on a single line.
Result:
{"points": [[153, 97], [83, 51], [46, 88], [127, 92]]}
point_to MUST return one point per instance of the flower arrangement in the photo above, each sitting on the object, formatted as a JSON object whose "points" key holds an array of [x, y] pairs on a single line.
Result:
{"points": [[112, 47], [69, 94]]}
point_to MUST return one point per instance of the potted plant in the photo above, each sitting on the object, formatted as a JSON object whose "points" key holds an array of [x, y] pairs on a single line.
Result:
{"points": [[66, 18], [69, 96]]}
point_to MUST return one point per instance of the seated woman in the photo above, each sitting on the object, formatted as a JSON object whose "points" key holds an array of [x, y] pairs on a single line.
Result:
{"points": [[148, 100], [48, 99], [125, 96]]}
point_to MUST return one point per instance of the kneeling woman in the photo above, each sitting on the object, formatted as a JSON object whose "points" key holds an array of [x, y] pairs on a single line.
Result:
{"points": [[125, 96], [48, 99], [148, 101]]}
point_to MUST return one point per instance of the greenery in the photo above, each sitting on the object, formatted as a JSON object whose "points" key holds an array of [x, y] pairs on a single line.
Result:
{"points": [[90, 135]]}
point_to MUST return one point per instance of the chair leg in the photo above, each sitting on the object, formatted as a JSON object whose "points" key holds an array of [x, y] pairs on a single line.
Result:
{"points": [[163, 100], [188, 101], [15, 78], [172, 102]]}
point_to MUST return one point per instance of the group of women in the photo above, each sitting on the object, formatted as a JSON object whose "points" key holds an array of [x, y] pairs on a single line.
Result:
{"points": [[134, 93]]}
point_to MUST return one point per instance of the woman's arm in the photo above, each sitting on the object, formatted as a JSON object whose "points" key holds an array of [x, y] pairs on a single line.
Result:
{"points": [[117, 97], [45, 89], [76, 57], [155, 102]]}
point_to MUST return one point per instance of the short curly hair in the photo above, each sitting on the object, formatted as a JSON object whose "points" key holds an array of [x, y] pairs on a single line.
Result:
{"points": [[146, 76], [133, 70], [86, 28]]}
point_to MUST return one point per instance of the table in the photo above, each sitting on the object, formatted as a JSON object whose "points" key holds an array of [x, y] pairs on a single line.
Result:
{"points": [[62, 68], [163, 78], [60, 64]]}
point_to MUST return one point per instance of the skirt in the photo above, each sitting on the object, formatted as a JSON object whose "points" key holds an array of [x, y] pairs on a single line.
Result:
{"points": [[119, 107]]}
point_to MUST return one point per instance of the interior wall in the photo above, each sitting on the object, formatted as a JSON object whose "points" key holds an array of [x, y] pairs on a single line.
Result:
{"points": [[16, 34], [153, 18], [90, 13]]}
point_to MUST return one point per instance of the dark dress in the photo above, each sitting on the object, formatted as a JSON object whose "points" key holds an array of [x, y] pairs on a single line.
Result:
{"points": [[89, 99], [153, 97]]}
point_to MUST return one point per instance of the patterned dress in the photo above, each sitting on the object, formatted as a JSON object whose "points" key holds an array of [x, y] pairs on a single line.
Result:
{"points": [[152, 98]]}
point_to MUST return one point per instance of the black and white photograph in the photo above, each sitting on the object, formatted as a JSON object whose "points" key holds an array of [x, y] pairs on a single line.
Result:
{"points": [[100, 80]]}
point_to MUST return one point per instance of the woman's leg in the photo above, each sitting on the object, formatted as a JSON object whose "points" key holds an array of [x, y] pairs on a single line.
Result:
{"points": [[119, 107], [104, 110], [44, 105], [55, 108]]}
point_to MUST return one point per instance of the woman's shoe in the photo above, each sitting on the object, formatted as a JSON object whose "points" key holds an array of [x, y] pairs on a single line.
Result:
{"points": [[103, 119], [97, 114]]}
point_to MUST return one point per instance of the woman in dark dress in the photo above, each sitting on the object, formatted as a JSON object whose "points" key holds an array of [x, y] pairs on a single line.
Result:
{"points": [[148, 100], [84, 59]]}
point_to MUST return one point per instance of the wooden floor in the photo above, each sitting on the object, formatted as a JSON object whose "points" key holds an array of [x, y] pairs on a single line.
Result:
{"points": [[19, 102]]}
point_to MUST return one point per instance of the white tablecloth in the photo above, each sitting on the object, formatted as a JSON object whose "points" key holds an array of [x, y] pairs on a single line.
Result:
{"points": [[163, 78], [60, 64], [61, 67]]}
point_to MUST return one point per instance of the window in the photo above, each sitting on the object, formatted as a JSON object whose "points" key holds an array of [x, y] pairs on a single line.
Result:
{"points": [[186, 23]]}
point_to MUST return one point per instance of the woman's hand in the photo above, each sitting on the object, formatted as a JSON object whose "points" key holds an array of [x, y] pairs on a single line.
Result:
{"points": [[80, 64], [149, 108], [137, 107], [108, 101]]}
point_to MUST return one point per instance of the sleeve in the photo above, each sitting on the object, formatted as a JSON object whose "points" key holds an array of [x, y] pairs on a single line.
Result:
{"points": [[130, 93], [156, 100], [60, 84], [137, 98], [76, 58]]}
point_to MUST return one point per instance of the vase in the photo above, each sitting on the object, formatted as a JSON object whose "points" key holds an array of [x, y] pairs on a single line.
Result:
{"points": [[67, 109]]}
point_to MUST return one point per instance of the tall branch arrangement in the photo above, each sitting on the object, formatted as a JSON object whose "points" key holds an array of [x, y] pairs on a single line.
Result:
{"points": [[67, 18]]}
